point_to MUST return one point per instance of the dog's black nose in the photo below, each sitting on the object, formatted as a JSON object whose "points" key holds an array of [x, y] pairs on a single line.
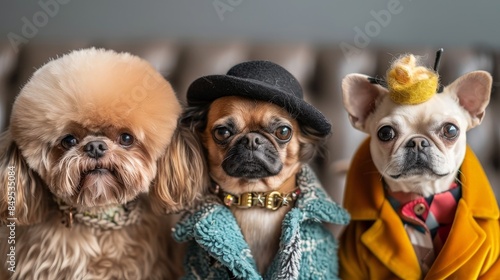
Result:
{"points": [[252, 141], [95, 149], [418, 143]]}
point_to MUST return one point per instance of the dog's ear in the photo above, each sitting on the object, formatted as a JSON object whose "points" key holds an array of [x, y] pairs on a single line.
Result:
{"points": [[473, 93], [23, 196], [359, 97], [182, 174], [312, 143], [195, 118]]}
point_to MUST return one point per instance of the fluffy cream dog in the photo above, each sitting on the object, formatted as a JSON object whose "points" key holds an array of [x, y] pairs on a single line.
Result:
{"points": [[91, 134]]}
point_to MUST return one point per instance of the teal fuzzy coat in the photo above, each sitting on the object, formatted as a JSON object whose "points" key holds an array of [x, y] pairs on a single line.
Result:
{"points": [[308, 250]]}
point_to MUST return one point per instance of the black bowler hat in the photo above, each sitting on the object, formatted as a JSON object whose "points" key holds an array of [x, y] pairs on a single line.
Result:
{"points": [[260, 80]]}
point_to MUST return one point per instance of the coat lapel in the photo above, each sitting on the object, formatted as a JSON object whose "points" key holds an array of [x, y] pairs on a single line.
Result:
{"points": [[466, 236], [388, 241], [476, 189], [313, 204], [215, 229], [459, 248], [387, 238]]}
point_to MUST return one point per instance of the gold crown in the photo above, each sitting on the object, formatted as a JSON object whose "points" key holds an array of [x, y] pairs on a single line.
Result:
{"points": [[410, 83]]}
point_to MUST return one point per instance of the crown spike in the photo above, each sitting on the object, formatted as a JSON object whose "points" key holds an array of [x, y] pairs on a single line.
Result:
{"points": [[436, 67], [438, 59]]}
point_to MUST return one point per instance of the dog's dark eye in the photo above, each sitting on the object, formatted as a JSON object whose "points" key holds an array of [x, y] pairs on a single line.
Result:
{"points": [[221, 134], [450, 131], [69, 141], [386, 133], [283, 133], [126, 139]]}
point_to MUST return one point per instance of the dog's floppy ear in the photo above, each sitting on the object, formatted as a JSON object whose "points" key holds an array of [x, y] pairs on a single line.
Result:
{"points": [[473, 93], [23, 196], [312, 143], [359, 97], [182, 174]]}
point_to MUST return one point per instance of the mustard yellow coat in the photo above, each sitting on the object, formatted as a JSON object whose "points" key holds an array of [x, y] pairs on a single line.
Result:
{"points": [[375, 244]]}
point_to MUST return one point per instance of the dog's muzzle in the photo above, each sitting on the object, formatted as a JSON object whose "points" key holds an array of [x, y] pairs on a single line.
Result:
{"points": [[252, 156], [417, 159]]}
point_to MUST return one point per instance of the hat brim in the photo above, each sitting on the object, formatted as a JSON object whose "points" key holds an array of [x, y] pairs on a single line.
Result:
{"points": [[206, 89]]}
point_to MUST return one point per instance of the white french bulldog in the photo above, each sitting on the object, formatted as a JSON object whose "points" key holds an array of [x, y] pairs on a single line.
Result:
{"points": [[415, 184], [418, 148]]}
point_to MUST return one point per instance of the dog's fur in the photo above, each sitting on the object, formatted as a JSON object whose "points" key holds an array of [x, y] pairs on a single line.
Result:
{"points": [[271, 166], [461, 104], [95, 129]]}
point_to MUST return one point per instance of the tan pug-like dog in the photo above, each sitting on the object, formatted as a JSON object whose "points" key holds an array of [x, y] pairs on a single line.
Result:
{"points": [[265, 217], [417, 148], [255, 146]]}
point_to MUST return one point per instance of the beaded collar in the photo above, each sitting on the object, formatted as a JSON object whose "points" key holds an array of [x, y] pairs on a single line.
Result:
{"points": [[114, 217]]}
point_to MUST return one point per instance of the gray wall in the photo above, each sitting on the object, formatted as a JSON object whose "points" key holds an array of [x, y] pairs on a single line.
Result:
{"points": [[436, 23]]}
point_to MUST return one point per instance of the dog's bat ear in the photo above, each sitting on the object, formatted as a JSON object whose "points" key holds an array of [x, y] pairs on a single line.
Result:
{"points": [[473, 91], [359, 96], [182, 174], [23, 197]]}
